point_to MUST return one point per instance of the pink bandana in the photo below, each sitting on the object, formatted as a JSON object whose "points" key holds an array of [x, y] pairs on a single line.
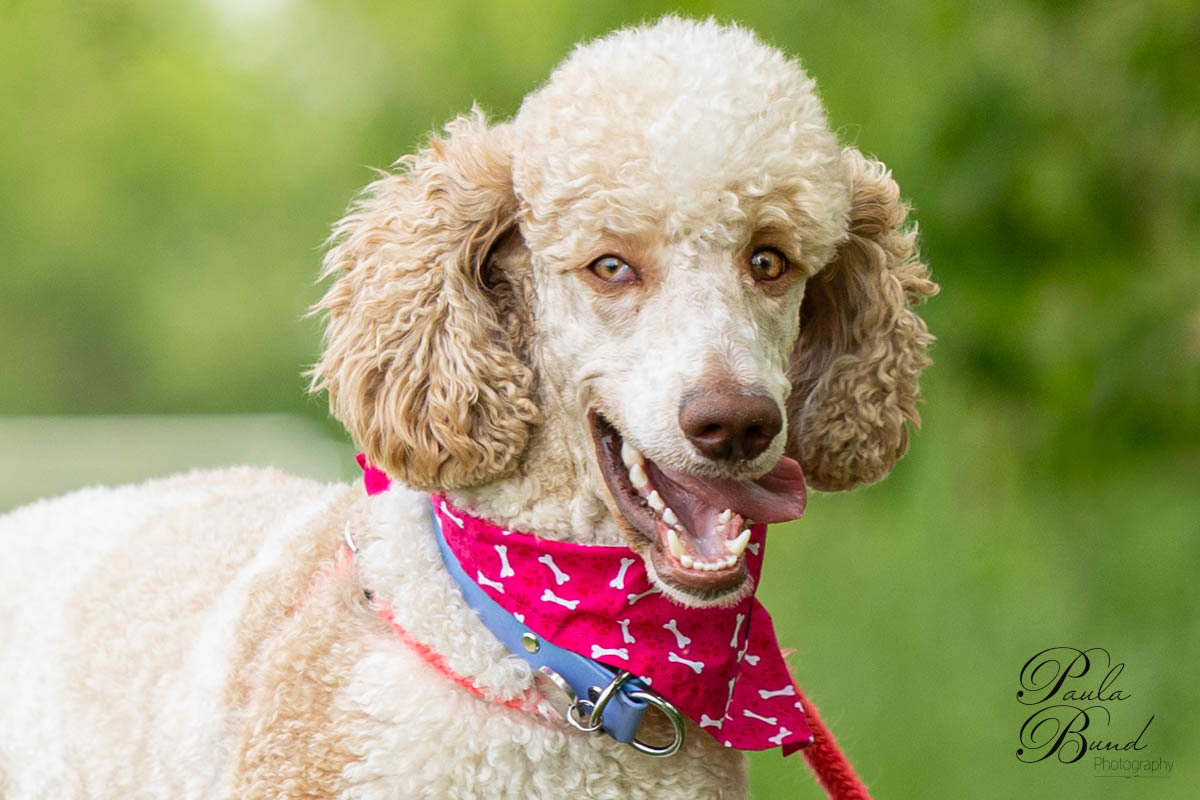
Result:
{"points": [[720, 666]]}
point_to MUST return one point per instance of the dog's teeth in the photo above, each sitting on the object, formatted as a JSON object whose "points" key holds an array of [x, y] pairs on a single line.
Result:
{"points": [[738, 546], [730, 561], [637, 476], [669, 517], [674, 543], [630, 454], [655, 501], [687, 561], [724, 516]]}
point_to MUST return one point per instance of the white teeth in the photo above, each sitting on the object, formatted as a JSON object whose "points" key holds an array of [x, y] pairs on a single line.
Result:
{"points": [[724, 516], [655, 501], [708, 566], [691, 563], [637, 476], [738, 546], [630, 454], [669, 517], [674, 543]]}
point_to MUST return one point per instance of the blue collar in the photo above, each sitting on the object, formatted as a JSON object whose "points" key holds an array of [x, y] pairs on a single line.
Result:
{"points": [[592, 696]]}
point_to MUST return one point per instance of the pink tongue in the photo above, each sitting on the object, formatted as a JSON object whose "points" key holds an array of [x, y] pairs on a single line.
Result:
{"points": [[778, 496]]}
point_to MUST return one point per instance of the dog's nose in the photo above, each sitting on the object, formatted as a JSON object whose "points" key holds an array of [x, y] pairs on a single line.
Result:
{"points": [[729, 426]]}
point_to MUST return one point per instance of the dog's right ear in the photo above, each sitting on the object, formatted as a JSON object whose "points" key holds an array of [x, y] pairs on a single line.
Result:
{"points": [[419, 359]]}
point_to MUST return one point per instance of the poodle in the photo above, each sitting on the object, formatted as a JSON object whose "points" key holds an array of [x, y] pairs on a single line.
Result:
{"points": [[638, 318]]}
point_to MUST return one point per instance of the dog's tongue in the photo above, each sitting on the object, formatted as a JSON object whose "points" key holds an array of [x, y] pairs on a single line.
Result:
{"points": [[778, 496]]}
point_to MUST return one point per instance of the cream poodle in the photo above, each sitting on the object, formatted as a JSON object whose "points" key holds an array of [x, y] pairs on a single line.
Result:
{"points": [[631, 316]]}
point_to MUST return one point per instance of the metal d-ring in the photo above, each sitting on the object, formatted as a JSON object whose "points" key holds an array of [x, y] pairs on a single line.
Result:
{"points": [[671, 713], [607, 694], [593, 721]]}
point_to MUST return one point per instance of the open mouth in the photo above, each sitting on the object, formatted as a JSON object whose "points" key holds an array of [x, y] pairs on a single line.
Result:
{"points": [[696, 527]]}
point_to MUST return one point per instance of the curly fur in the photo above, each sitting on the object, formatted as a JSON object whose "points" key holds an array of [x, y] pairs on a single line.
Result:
{"points": [[202, 636], [419, 360], [861, 348], [423, 354]]}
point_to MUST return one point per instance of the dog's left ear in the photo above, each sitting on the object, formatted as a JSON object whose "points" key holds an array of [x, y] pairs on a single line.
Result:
{"points": [[421, 348], [862, 347]]}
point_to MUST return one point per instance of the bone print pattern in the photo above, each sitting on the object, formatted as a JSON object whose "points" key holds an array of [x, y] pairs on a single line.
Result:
{"points": [[616, 652], [483, 580], [560, 577], [506, 570], [550, 597], [736, 628], [695, 666], [619, 581], [713, 664], [681, 641]]}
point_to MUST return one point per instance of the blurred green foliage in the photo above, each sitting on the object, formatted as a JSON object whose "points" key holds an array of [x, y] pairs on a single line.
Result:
{"points": [[170, 171]]}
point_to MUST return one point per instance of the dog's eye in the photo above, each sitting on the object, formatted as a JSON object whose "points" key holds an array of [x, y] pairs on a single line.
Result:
{"points": [[613, 270], [768, 264]]}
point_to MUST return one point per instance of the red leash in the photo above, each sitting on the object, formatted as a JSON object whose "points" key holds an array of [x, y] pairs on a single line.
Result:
{"points": [[827, 761]]}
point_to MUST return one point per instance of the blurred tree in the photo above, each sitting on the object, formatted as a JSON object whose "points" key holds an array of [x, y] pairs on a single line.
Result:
{"points": [[171, 170]]}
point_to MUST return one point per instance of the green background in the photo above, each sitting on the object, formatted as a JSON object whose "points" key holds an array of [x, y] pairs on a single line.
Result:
{"points": [[169, 171]]}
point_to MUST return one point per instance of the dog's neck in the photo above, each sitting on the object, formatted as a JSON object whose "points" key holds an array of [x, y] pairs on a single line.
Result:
{"points": [[556, 491]]}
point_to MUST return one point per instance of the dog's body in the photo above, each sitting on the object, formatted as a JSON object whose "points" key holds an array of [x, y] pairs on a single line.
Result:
{"points": [[653, 295], [203, 636]]}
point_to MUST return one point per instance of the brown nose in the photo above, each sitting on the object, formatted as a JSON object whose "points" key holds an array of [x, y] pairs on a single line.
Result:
{"points": [[729, 426]]}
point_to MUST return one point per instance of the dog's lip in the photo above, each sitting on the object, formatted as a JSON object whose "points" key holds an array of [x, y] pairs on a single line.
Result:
{"points": [[702, 553]]}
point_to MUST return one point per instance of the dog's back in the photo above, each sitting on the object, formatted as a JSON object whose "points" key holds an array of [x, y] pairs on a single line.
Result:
{"points": [[129, 618]]}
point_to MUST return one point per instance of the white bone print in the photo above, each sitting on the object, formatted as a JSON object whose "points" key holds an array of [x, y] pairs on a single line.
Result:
{"points": [[681, 641], [751, 660], [737, 629], [483, 580], [618, 652], [729, 700], [633, 598], [753, 547], [779, 737], [787, 691], [560, 577], [520, 617], [769, 720], [446, 511], [695, 666], [550, 597], [708, 722], [506, 570], [619, 581], [626, 636]]}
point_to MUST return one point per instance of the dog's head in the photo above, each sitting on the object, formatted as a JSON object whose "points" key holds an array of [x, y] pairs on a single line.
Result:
{"points": [[666, 254]]}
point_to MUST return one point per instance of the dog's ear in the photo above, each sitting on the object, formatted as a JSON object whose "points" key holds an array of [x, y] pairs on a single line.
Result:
{"points": [[419, 360], [861, 347]]}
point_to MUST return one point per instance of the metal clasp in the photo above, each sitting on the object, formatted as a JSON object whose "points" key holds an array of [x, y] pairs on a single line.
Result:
{"points": [[594, 710]]}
